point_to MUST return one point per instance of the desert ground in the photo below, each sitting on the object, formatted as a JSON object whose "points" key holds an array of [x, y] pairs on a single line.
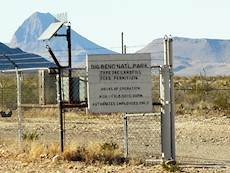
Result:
{"points": [[202, 143]]}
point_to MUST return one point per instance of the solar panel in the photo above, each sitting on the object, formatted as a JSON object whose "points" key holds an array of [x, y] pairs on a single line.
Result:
{"points": [[51, 31], [23, 60]]}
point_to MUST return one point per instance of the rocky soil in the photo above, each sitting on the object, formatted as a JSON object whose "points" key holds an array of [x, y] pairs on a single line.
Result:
{"points": [[202, 145]]}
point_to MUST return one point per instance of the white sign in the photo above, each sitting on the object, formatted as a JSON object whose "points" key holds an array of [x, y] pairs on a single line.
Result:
{"points": [[119, 83]]}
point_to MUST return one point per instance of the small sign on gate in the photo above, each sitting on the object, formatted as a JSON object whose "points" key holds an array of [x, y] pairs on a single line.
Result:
{"points": [[119, 83]]}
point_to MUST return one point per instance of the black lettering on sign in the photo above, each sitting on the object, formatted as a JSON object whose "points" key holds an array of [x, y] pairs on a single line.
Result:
{"points": [[107, 89], [108, 66], [115, 72], [105, 78], [104, 72], [95, 66], [141, 65], [137, 95]]}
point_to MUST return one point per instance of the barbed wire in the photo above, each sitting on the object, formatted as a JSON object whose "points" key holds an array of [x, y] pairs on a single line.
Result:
{"points": [[24, 58], [16, 54], [80, 49], [203, 89], [115, 47]]}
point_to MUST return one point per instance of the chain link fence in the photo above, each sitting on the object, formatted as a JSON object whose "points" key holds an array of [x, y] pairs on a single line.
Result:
{"points": [[40, 114], [143, 132], [202, 121], [144, 136], [8, 106], [193, 96], [8, 91]]}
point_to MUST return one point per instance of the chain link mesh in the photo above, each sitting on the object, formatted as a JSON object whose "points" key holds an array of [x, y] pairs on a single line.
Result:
{"points": [[144, 137], [8, 106], [40, 113], [144, 132], [8, 91]]}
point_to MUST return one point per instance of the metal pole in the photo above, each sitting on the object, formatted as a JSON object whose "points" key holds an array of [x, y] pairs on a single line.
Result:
{"points": [[166, 62], [170, 48], [69, 45], [126, 135], [122, 43], [19, 108], [165, 116], [53, 56], [70, 63], [60, 111], [124, 49], [18, 74], [165, 109]]}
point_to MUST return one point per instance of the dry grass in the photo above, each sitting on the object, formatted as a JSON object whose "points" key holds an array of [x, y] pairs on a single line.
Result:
{"points": [[33, 151], [94, 152]]}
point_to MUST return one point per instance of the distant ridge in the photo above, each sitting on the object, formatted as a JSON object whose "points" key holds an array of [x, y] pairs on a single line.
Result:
{"points": [[195, 56], [21, 59], [27, 34], [6, 50]]}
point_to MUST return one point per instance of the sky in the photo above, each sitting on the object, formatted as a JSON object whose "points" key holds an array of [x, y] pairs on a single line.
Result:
{"points": [[141, 21]]}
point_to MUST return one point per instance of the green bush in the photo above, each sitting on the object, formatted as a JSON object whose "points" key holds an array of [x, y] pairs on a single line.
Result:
{"points": [[32, 136]]}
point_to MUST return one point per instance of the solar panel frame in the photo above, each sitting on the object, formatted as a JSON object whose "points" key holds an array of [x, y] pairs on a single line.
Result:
{"points": [[51, 31]]}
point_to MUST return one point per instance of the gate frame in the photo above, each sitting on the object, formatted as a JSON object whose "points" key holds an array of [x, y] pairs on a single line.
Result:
{"points": [[167, 106]]}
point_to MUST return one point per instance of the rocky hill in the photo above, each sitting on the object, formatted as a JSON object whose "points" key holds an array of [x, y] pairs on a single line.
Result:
{"points": [[195, 56]]}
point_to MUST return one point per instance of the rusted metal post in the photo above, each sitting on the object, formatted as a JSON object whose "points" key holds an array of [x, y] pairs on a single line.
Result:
{"points": [[70, 63], [69, 45]]}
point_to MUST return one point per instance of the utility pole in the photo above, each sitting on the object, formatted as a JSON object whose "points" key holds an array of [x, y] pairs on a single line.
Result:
{"points": [[68, 36], [122, 43]]}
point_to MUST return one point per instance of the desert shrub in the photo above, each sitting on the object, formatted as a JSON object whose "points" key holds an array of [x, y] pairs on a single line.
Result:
{"points": [[31, 136], [110, 153], [109, 146], [202, 94], [171, 167], [74, 152], [222, 100]]}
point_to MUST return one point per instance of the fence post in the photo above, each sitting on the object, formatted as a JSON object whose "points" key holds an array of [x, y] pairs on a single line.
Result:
{"points": [[172, 113], [18, 74], [126, 135], [19, 107], [167, 100], [60, 111], [165, 113]]}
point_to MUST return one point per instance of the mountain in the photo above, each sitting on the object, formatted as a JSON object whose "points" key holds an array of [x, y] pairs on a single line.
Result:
{"points": [[22, 59], [6, 50], [26, 38], [195, 56]]}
